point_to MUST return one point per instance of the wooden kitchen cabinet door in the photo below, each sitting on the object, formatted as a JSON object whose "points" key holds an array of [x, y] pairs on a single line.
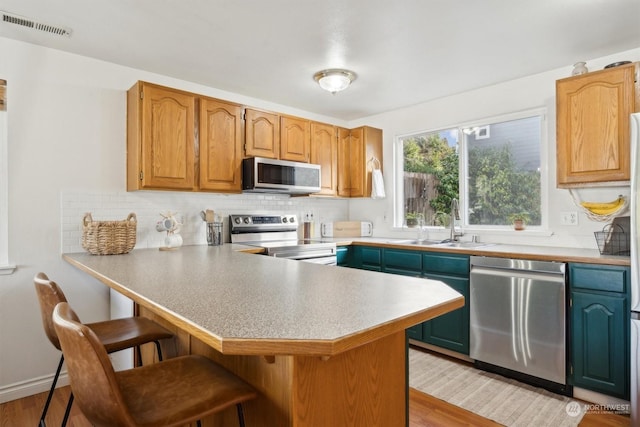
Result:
{"points": [[355, 153], [262, 134], [160, 138], [344, 162], [294, 139], [593, 141], [324, 152], [220, 146]]}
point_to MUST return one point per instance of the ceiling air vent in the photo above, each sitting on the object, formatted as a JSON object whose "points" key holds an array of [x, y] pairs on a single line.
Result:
{"points": [[30, 23]]}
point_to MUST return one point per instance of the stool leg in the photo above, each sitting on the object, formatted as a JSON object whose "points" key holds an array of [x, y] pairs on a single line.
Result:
{"points": [[240, 415], [67, 411], [53, 387], [139, 355]]}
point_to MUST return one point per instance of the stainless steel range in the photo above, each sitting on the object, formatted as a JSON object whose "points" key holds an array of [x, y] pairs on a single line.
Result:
{"points": [[278, 235]]}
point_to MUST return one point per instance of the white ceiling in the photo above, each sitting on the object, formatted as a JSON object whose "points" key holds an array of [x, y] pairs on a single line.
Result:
{"points": [[403, 51]]}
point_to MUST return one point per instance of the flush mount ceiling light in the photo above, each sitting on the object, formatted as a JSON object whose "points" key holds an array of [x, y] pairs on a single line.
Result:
{"points": [[334, 80]]}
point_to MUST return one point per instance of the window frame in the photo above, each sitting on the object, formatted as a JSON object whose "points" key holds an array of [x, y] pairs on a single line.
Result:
{"points": [[398, 153], [5, 266]]}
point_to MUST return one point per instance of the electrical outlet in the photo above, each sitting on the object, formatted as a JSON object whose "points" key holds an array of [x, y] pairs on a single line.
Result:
{"points": [[569, 218]]}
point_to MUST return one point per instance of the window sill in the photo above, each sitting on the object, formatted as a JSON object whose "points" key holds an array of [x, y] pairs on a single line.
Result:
{"points": [[5, 270]]}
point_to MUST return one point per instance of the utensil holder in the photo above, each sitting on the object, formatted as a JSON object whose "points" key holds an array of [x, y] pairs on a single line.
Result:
{"points": [[214, 234]]}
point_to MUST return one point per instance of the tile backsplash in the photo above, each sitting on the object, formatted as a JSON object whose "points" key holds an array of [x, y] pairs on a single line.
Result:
{"points": [[147, 205]]}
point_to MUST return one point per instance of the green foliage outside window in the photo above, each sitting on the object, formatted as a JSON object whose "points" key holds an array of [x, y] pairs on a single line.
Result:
{"points": [[498, 190]]}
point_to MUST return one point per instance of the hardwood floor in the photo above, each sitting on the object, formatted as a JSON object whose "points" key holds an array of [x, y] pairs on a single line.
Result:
{"points": [[424, 411]]}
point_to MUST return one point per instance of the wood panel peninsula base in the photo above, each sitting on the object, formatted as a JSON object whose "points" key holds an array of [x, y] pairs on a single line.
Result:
{"points": [[325, 346]]}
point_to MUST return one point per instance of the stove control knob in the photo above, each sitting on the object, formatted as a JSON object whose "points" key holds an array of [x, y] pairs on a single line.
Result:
{"points": [[284, 219], [292, 219], [237, 220], [247, 220]]}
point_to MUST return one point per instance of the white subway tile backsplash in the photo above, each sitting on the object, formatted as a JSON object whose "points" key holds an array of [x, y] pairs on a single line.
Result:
{"points": [[147, 205]]}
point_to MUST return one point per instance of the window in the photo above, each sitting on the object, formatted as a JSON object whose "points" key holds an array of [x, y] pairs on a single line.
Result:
{"points": [[492, 167]]}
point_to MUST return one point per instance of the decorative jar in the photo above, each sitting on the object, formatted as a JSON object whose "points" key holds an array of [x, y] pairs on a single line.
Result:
{"points": [[579, 68]]}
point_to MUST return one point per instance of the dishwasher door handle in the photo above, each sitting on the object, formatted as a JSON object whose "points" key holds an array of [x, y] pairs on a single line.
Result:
{"points": [[525, 274]]}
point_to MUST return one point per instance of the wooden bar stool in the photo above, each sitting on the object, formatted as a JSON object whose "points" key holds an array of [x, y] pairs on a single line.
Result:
{"points": [[170, 393], [115, 335]]}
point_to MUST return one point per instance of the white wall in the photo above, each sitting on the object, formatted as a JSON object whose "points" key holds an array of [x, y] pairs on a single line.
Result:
{"points": [[66, 137], [513, 96], [66, 154]]}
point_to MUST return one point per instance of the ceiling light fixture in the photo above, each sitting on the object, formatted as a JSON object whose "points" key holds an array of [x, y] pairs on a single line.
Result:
{"points": [[335, 79]]}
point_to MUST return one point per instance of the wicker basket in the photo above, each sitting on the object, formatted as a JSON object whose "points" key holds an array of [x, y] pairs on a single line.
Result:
{"points": [[109, 237], [613, 242]]}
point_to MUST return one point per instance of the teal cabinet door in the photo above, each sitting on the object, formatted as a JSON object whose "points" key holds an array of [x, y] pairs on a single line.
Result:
{"points": [[451, 330], [342, 255], [599, 328], [367, 258], [600, 342], [407, 263]]}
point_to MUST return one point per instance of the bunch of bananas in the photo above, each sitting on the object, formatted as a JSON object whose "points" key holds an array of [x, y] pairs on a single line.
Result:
{"points": [[606, 208]]}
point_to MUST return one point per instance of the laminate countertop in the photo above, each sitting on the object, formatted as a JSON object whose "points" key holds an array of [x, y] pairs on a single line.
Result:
{"points": [[532, 252], [242, 303]]}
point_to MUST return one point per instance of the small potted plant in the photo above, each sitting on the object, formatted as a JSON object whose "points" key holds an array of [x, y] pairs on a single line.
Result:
{"points": [[412, 219], [519, 220]]}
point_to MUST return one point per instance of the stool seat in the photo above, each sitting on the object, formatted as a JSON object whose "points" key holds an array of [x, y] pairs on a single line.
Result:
{"points": [[119, 334], [169, 393], [180, 390]]}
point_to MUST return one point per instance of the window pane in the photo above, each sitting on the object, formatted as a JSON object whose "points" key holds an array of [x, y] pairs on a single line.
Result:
{"points": [[504, 172], [430, 175]]}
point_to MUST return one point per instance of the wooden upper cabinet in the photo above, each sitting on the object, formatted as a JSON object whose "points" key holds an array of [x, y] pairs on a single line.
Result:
{"points": [[220, 146], [593, 141], [294, 139], [262, 134], [160, 138], [324, 152], [356, 150], [344, 156]]}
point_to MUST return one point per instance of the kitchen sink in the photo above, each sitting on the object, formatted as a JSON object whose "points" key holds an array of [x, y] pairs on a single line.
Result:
{"points": [[462, 244], [441, 244]]}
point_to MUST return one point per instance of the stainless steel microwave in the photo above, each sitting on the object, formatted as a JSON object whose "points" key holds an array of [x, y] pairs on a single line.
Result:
{"points": [[260, 174]]}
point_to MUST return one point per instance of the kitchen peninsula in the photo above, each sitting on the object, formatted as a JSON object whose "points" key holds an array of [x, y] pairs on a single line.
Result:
{"points": [[325, 346]]}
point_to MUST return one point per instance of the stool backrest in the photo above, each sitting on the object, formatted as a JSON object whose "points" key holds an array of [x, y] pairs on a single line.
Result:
{"points": [[49, 295], [93, 380]]}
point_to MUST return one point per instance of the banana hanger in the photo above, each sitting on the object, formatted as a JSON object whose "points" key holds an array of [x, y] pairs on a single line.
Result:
{"points": [[601, 211]]}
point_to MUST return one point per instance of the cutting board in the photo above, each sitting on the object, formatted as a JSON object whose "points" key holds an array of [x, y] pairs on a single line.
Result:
{"points": [[346, 229]]}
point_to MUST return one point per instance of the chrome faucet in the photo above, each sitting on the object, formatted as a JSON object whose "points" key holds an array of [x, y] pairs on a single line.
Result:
{"points": [[455, 215]]}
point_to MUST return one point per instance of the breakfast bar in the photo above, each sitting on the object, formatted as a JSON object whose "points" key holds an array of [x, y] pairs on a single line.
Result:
{"points": [[324, 345]]}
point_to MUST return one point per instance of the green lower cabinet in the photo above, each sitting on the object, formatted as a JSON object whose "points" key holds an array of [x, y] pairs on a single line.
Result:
{"points": [[415, 332], [600, 337], [600, 328], [451, 330], [342, 255], [367, 258]]}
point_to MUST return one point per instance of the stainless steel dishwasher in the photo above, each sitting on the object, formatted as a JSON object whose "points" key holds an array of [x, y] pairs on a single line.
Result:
{"points": [[518, 320]]}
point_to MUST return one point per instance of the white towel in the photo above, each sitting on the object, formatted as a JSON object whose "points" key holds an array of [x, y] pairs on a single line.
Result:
{"points": [[377, 185]]}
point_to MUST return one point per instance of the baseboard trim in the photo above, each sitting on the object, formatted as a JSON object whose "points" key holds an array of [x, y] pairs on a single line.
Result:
{"points": [[441, 350], [30, 387], [597, 398]]}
